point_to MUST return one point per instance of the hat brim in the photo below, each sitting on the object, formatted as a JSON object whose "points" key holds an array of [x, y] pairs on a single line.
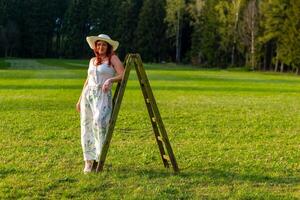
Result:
{"points": [[92, 39]]}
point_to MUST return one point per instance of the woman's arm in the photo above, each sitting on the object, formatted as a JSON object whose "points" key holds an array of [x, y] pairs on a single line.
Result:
{"points": [[84, 85], [118, 66], [79, 100]]}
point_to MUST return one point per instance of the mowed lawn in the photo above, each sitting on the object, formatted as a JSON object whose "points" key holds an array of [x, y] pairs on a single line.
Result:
{"points": [[235, 135]]}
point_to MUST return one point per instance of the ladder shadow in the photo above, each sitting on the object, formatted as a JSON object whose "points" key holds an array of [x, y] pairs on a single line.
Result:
{"points": [[211, 176]]}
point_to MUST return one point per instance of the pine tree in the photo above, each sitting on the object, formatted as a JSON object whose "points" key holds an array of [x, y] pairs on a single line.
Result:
{"points": [[75, 29], [103, 15], [205, 39], [151, 30], [59, 9], [3, 9], [273, 17], [126, 26], [289, 50], [10, 26], [37, 28], [2, 29]]}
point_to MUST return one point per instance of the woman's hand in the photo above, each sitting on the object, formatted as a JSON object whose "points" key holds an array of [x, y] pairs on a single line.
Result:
{"points": [[106, 85], [78, 106]]}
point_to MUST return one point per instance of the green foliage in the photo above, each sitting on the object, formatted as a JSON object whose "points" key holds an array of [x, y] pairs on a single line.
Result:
{"points": [[229, 17], [103, 15], [205, 40], [4, 64], [235, 135], [127, 25], [174, 14], [263, 34], [3, 10], [281, 24], [10, 27], [290, 54], [273, 16], [76, 28], [150, 33], [227, 11]]}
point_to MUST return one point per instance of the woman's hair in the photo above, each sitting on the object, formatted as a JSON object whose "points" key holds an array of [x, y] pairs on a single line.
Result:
{"points": [[109, 53]]}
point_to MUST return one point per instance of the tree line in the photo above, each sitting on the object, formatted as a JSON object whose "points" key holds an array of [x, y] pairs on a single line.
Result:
{"points": [[259, 34]]}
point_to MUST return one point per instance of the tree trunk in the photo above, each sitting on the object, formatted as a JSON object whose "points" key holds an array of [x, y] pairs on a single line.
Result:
{"points": [[6, 52], [178, 36], [232, 54], [281, 67], [297, 71], [253, 36], [247, 59], [234, 38], [265, 58], [58, 41], [252, 51], [10, 52], [269, 57], [276, 65]]}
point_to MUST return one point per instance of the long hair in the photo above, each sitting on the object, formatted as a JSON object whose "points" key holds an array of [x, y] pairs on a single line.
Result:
{"points": [[109, 53]]}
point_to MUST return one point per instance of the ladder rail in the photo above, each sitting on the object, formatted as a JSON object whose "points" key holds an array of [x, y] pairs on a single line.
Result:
{"points": [[114, 115], [151, 115], [157, 113], [155, 118]]}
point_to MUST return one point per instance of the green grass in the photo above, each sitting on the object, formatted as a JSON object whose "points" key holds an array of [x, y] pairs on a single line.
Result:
{"points": [[235, 135], [4, 64]]}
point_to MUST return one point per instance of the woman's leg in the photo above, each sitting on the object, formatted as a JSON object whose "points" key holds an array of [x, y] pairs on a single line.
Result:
{"points": [[87, 135], [101, 121]]}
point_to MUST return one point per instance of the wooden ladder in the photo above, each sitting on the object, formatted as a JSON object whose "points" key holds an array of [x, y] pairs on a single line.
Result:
{"points": [[155, 118]]}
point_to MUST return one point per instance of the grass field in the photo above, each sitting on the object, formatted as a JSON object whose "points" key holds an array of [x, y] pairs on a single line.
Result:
{"points": [[235, 135]]}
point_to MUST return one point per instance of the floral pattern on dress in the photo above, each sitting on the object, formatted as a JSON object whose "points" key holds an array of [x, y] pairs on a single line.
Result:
{"points": [[95, 112]]}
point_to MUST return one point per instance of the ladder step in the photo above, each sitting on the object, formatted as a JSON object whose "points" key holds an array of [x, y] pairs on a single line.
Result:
{"points": [[159, 138], [166, 157]]}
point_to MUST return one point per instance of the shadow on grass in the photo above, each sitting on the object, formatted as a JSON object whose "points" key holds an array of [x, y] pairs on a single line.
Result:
{"points": [[57, 183], [246, 78], [213, 176], [4, 172], [40, 87], [155, 88]]}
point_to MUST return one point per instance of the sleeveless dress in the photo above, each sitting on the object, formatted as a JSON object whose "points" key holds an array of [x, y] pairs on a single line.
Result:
{"points": [[95, 111]]}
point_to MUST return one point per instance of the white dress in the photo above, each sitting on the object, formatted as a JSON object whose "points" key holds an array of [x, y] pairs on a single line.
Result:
{"points": [[95, 111]]}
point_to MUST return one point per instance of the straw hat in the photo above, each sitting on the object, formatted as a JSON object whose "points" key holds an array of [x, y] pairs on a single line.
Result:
{"points": [[92, 39]]}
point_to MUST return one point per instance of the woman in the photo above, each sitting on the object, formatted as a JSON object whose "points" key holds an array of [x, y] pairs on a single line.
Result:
{"points": [[95, 101]]}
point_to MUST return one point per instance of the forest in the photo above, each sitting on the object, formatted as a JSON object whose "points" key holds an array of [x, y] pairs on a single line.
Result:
{"points": [[255, 34]]}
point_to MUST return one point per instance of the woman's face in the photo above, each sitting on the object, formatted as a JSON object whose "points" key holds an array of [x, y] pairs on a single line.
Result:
{"points": [[101, 47]]}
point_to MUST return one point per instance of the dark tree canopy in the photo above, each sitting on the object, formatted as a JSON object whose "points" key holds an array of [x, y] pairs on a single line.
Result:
{"points": [[259, 34]]}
